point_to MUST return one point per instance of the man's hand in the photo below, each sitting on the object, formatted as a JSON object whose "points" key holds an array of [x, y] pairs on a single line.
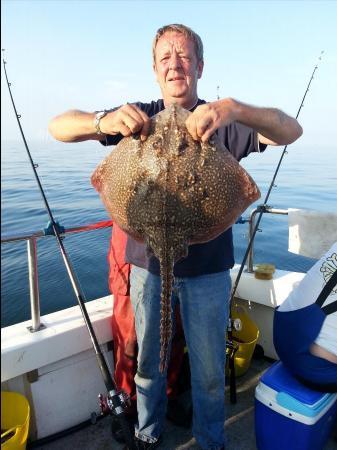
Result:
{"points": [[126, 120], [273, 126], [207, 118]]}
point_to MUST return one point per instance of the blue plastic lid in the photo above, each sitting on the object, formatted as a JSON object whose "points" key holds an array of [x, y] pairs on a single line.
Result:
{"points": [[277, 377]]}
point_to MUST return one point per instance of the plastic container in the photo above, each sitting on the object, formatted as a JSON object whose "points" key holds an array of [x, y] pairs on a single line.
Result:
{"points": [[246, 339], [288, 415], [264, 271], [15, 413]]}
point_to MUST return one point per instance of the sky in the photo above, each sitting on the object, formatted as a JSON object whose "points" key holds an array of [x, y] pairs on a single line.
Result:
{"points": [[92, 55]]}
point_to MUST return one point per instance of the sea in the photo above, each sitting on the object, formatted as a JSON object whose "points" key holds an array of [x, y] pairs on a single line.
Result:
{"points": [[307, 179]]}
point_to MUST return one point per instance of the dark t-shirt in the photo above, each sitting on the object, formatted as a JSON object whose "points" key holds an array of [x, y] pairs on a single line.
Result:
{"points": [[213, 256]]}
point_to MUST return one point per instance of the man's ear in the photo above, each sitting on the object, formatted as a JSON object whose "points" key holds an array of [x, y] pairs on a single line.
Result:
{"points": [[200, 68]]}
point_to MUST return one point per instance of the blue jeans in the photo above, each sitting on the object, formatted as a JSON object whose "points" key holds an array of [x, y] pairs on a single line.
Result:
{"points": [[204, 312]]}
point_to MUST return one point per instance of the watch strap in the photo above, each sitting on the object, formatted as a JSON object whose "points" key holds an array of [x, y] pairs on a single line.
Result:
{"points": [[98, 117]]}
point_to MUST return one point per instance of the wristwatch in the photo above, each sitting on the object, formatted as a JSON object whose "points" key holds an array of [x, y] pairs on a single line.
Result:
{"points": [[98, 117]]}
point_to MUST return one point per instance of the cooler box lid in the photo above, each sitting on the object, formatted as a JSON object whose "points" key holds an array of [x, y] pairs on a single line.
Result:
{"points": [[291, 393]]}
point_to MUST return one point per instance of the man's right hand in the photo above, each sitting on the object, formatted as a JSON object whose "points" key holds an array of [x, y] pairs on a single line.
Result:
{"points": [[77, 126], [127, 120]]}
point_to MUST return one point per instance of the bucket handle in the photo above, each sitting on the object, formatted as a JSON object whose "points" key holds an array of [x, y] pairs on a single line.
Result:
{"points": [[8, 431]]}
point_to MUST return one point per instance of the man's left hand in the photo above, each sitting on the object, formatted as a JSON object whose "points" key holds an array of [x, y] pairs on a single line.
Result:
{"points": [[207, 118]]}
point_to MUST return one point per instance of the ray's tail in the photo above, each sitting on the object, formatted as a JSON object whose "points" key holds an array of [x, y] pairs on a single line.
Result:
{"points": [[166, 271]]}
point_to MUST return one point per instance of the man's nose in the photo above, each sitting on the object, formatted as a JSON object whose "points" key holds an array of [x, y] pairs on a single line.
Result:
{"points": [[174, 60]]}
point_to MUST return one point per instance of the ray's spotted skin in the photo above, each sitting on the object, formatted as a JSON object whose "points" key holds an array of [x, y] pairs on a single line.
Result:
{"points": [[171, 191]]}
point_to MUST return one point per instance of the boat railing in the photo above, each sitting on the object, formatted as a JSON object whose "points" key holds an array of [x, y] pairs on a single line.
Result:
{"points": [[31, 239], [251, 221]]}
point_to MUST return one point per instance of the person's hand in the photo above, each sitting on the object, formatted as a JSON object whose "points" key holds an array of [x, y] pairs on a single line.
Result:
{"points": [[127, 120], [207, 118]]}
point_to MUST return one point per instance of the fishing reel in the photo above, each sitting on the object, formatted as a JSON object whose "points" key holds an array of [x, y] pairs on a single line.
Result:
{"points": [[231, 345], [114, 403], [235, 324]]}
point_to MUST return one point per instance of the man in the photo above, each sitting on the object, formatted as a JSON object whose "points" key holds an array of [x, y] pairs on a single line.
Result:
{"points": [[202, 281]]}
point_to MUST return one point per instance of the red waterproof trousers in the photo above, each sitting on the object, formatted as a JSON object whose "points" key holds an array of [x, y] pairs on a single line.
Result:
{"points": [[123, 324]]}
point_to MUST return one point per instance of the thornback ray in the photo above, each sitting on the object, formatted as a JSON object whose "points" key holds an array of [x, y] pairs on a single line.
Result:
{"points": [[170, 191]]}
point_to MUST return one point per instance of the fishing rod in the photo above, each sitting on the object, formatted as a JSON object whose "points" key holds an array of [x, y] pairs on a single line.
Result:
{"points": [[115, 400], [262, 210]]}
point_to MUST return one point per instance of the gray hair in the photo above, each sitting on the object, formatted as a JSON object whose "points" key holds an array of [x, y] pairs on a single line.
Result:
{"points": [[186, 31]]}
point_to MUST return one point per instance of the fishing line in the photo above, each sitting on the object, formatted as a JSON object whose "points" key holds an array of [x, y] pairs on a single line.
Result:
{"points": [[230, 345], [114, 402]]}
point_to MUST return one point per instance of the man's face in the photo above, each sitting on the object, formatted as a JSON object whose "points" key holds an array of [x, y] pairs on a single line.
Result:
{"points": [[177, 68]]}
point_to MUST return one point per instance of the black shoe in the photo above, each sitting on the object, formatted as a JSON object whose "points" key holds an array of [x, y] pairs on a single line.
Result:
{"points": [[142, 445], [116, 428]]}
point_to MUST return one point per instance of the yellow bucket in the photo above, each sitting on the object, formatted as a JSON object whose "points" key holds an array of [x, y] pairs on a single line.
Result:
{"points": [[15, 412], [245, 339]]}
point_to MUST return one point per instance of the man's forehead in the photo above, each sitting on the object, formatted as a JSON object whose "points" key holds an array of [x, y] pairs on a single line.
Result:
{"points": [[173, 39]]}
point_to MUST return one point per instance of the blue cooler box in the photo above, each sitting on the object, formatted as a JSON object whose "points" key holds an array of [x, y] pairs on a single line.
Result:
{"points": [[290, 416]]}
